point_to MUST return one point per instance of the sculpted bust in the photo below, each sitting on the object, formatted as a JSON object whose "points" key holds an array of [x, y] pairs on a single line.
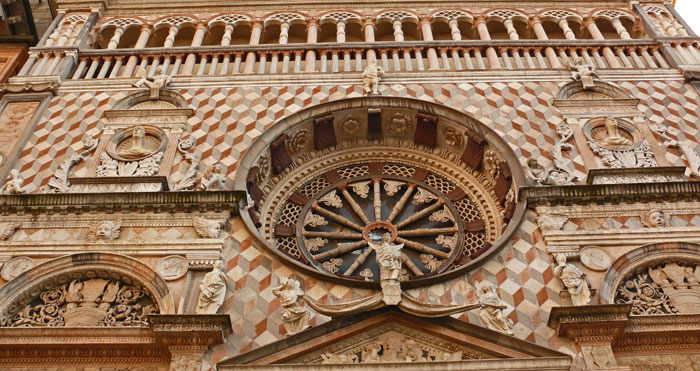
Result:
{"points": [[614, 139]]}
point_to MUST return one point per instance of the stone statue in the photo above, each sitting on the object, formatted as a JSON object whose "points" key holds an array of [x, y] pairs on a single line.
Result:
{"points": [[212, 290], [213, 179], [686, 148], [654, 219], [105, 230], [492, 308], [155, 83], [294, 317], [583, 72], [573, 280], [14, 184], [370, 78], [614, 139], [389, 260]]}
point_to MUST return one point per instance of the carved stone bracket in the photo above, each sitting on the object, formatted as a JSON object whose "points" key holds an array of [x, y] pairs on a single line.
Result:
{"points": [[593, 329], [32, 85]]}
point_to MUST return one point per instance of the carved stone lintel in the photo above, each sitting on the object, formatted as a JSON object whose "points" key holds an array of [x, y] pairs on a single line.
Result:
{"points": [[24, 84]]}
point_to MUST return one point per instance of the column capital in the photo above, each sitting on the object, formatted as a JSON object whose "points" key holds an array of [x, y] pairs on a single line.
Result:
{"points": [[534, 20]]}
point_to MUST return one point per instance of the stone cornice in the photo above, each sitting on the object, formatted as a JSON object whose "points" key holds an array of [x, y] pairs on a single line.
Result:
{"points": [[589, 321], [659, 333], [80, 203], [611, 193]]}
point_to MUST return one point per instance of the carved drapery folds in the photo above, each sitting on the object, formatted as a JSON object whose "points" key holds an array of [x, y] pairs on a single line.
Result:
{"points": [[87, 302], [662, 289]]}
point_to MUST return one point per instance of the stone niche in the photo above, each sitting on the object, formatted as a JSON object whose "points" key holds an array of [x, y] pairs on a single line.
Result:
{"points": [[138, 145]]}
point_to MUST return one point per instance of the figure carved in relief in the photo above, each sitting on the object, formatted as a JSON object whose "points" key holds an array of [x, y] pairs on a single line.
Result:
{"points": [[654, 219], [492, 308], [294, 317], [212, 290], [686, 148], [614, 139], [14, 184], [389, 259], [583, 72], [370, 78], [137, 148], [573, 280], [155, 83], [105, 230], [213, 179]]}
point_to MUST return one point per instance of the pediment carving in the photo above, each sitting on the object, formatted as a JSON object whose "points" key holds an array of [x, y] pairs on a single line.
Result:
{"points": [[391, 343]]}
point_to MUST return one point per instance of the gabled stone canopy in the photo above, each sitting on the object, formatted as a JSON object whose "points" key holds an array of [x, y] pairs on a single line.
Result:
{"points": [[389, 339]]}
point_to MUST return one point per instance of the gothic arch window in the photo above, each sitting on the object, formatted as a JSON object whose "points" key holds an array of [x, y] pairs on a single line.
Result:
{"points": [[91, 289], [329, 179], [656, 279]]}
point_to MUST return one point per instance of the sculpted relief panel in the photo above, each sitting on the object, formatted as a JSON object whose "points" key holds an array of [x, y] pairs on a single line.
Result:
{"points": [[86, 302], [664, 289]]}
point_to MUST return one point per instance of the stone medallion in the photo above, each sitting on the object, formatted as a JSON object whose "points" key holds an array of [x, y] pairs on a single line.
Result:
{"points": [[136, 143], [15, 267], [595, 258], [172, 267]]}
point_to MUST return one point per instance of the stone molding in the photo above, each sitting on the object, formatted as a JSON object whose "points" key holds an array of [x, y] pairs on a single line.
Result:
{"points": [[80, 203], [167, 337], [612, 193]]}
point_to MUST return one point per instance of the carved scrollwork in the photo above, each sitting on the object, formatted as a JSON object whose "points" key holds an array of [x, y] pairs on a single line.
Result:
{"points": [[87, 302], [663, 289]]}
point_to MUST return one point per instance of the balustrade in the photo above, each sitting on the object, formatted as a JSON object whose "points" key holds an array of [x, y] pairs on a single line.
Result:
{"points": [[338, 58]]}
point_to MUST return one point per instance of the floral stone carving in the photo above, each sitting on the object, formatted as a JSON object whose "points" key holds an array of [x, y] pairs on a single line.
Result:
{"points": [[664, 289], [91, 302]]}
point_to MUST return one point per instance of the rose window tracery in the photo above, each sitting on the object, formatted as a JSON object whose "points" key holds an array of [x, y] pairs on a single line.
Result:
{"points": [[324, 200]]}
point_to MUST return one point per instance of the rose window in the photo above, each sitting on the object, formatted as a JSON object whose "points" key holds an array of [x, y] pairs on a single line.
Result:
{"points": [[326, 190]]}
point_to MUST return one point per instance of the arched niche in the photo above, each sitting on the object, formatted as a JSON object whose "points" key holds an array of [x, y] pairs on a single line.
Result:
{"points": [[658, 278], [321, 153], [112, 277]]}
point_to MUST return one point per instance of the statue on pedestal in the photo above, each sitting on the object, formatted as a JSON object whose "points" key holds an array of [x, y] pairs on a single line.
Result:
{"points": [[212, 290], [294, 317]]}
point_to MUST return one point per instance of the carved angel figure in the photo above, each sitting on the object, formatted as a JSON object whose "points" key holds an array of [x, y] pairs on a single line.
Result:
{"points": [[686, 148], [492, 308], [207, 228], [212, 290], [294, 317], [213, 179], [573, 280], [583, 72], [370, 78], [155, 83], [105, 230], [7, 229], [654, 219], [14, 184], [539, 175]]}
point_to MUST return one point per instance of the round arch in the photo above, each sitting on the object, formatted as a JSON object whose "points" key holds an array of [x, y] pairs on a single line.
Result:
{"points": [[29, 285], [641, 257]]}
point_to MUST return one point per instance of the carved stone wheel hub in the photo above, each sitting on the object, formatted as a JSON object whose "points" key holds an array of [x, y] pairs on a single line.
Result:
{"points": [[335, 226], [327, 181]]}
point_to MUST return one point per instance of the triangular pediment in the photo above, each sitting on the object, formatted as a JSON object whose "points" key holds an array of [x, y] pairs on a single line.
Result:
{"points": [[391, 337]]}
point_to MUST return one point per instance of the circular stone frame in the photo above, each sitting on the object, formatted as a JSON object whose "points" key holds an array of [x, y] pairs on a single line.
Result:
{"points": [[260, 149], [124, 134]]}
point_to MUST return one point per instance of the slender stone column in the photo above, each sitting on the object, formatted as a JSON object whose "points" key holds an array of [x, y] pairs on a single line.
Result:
{"points": [[484, 35], [228, 31], [427, 32], [284, 32], [196, 41], [608, 54], [170, 39], [454, 29], [146, 31], [369, 28], [114, 41], [620, 29], [255, 34], [568, 33], [311, 38], [536, 25]]}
